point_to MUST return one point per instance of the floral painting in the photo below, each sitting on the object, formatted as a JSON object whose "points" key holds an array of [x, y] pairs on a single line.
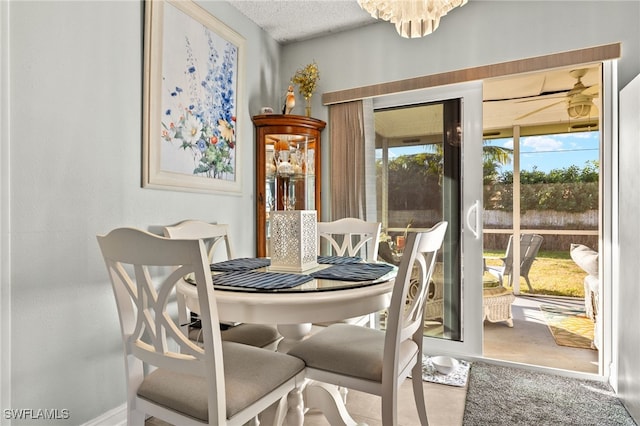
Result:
{"points": [[193, 91]]}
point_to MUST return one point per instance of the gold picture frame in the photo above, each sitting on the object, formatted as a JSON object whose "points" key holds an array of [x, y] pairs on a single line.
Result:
{"points": [[193, 74]]}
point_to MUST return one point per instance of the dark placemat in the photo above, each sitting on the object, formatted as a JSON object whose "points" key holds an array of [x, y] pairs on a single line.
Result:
{"points": [[260, 280], [338, 260], [353, 272], [241, 264]]}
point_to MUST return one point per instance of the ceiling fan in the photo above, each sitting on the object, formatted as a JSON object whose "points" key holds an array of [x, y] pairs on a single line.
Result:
{"points": [[579, 99]]}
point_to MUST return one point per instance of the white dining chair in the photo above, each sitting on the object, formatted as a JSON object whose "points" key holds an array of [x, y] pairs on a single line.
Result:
{"points": [[375, 361], [216, 237], [170, 377], [350, 237]]}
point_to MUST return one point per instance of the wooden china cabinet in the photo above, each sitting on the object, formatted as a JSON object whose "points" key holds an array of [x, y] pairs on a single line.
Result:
{"points": [[287, 168]]}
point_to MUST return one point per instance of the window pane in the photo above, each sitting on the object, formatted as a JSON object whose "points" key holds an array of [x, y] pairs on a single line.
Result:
{"points": [[418, 184], [498, 192]]}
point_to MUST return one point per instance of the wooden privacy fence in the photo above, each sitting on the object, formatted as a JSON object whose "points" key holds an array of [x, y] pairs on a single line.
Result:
{"points": [[556, 228], [559, 229]]}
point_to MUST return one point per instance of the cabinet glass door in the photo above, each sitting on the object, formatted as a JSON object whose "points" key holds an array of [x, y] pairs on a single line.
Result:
{"points": [[287, 168], [290, 174]]}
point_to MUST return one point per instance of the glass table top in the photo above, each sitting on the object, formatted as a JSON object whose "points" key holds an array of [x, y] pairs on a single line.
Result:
{"points": [[330, 277]]}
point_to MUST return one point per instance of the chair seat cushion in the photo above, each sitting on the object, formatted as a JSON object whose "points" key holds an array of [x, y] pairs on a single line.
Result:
{"points": [[350, 350], [490, 292], [250, 373], [257, 335]]}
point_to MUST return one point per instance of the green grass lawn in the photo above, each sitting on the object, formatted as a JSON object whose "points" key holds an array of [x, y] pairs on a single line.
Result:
{"points": [[552, 273]]}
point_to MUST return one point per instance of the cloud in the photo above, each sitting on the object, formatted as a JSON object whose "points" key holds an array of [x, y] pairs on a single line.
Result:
{"points": [[541, 143], [579, 135]]}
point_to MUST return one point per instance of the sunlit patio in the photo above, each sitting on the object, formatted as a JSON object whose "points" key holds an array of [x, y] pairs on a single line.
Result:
{"points": [[530, 341]]}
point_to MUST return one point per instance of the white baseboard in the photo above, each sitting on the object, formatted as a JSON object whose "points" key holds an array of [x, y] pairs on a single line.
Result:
{"points": [[114, 417]]}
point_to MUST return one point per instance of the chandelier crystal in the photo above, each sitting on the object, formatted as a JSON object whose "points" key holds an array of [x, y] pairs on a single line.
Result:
{"points": [[412, 18]]}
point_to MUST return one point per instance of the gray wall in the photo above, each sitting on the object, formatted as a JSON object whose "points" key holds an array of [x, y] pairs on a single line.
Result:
{"points": [[74, 141], [73, 133]]}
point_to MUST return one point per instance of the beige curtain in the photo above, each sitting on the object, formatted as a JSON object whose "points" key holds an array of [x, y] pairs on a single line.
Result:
{"points": [[350, 157]]}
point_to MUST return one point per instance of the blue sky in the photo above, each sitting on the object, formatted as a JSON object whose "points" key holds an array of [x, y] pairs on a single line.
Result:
{"points": [[554, 151], [545, 152]]}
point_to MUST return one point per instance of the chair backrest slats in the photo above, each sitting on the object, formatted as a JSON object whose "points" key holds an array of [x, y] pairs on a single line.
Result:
{"points": [[214, 236], [529, 246], [530, 253], [406, 311], [144, 271], [351, 237]]}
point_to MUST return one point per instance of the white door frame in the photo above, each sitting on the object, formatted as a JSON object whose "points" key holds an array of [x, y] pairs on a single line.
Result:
{"points": [[609, 241]]}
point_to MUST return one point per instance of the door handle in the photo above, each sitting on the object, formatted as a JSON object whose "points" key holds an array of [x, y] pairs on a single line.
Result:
{"points": [[475, 207]]}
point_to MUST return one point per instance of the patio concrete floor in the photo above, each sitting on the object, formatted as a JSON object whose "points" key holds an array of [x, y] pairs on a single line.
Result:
{"points": [[531, 342]]}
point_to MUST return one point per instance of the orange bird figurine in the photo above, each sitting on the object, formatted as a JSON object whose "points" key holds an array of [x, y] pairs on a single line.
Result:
{"points": [[290, 101]]}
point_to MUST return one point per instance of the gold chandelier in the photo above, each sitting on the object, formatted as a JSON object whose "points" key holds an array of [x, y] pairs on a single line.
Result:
{"points": [[413, 18]]}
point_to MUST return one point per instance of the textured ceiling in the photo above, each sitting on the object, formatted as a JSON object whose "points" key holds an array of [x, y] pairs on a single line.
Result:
{"points": [[289, 21]]}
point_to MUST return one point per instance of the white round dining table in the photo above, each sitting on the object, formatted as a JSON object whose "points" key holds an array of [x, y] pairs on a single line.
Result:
{"points": [[294, 310]]}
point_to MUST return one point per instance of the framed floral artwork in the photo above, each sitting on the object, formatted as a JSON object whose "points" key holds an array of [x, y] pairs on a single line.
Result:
{"points": [[192, 82]]}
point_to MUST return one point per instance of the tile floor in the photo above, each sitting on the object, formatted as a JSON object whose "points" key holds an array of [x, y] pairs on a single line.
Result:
{"points": [[445, 407]]}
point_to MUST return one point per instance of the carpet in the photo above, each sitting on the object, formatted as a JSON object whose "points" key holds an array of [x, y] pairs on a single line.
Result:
{"points": [[569, 326], [457, 377], [510, 396]]}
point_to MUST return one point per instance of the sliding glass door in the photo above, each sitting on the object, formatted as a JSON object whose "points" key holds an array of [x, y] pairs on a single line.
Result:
{"points": [[428, 169]]}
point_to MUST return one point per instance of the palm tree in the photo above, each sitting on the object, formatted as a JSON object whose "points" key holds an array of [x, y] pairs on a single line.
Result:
{"points": [[492, 158]]}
